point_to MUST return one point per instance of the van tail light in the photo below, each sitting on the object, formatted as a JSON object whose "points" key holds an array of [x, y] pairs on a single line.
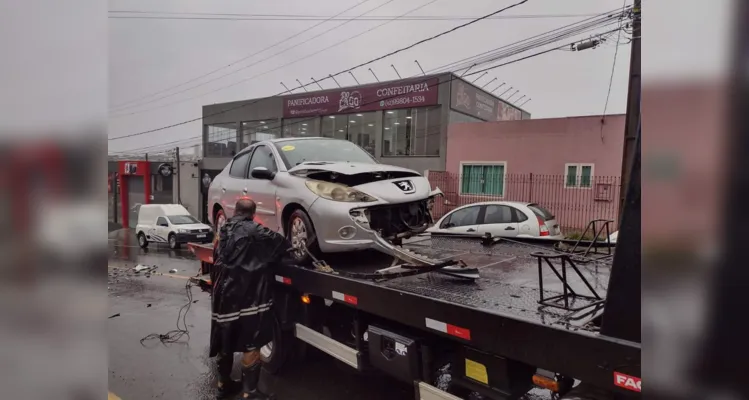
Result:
{"points": [[542, 227]]}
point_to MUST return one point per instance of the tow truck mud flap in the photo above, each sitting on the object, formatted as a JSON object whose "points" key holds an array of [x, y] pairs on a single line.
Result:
{"points": [[425, 391], [336, 349]]}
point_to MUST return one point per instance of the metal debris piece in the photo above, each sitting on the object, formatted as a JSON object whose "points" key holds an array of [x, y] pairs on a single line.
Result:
{"points": [[173, 271]]}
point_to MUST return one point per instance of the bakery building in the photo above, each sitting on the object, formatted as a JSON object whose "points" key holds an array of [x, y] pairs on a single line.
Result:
{"points": [[402, 122]]}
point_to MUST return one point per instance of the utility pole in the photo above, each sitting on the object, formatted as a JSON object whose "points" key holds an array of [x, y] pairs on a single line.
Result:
{"points": [[632, 122], [176, 175]]}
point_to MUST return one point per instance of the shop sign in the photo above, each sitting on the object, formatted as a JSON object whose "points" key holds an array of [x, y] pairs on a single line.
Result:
{"points": [[470, 100], [401, 94]]}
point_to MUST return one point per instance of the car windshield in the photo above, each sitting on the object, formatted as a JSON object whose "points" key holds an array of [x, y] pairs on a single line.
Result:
{"points": [[295, 152], [183, 220], [541, 212]]}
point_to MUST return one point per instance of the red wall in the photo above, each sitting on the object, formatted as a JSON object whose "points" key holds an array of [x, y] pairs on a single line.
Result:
{"points": [[535, 153], [539, 146]]}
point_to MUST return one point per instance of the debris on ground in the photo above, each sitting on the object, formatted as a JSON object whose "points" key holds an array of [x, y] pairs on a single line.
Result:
{"points": [[147, 268], [173, 271], [115, 315]]}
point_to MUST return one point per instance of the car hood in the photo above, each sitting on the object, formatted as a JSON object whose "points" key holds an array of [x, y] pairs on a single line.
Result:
{"points": [[192, 226], [388, 183], [348, 168]]}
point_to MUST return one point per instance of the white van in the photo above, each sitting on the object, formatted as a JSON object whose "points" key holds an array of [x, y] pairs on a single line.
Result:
{"points": [[169, 223]]}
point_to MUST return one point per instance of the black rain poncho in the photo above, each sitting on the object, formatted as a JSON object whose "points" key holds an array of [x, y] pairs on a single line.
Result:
{"points": [[242, 277]]}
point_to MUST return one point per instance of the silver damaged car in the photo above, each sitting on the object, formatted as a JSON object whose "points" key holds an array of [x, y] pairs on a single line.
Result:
{"points": [[327, 195]]}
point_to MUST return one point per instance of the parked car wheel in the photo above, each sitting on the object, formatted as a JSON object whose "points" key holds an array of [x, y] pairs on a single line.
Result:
{"points": [[142, 241], [301, 232], [219, 220], [173, 244]]}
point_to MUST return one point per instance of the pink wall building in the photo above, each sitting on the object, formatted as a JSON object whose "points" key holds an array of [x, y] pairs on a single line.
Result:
{"points": [[570, 165]]}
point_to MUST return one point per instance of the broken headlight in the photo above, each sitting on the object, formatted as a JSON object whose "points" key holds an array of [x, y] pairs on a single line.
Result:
{"points": [[338, 192]]}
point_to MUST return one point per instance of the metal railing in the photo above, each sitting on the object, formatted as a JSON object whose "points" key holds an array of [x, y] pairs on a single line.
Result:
{"points": [[574, 200]]}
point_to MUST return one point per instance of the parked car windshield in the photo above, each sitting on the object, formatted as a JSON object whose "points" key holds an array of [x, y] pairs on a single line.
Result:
{"points": [[183, 220], [295, 152]]}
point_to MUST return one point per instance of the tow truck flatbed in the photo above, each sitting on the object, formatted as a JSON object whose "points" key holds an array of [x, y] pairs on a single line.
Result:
{"points": [[498, 314]]}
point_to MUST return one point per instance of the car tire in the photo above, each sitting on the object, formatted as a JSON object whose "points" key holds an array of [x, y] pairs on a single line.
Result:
{"points": [[173, 244], [142, 241], [219, 217], [300, 220]]}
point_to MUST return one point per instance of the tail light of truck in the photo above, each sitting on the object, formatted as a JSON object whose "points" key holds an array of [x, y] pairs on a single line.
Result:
{"points": [[542, 227]]}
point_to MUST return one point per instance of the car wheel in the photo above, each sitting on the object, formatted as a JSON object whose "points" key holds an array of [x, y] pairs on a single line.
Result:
{"points": [[173, 242], [219, 221], [301, 232], [142, 241]]}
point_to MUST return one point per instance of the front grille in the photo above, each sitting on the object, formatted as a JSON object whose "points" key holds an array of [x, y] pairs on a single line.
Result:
{"points": [[199, 230], [393, 219]]}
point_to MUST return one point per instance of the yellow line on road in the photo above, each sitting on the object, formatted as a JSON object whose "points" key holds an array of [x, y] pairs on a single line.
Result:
{"points": [[113, 396]]}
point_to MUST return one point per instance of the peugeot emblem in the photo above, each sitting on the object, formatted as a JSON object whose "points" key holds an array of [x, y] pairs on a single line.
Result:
{"points": [[405, 186]]}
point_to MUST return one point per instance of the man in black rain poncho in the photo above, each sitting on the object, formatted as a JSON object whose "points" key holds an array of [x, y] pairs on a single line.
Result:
{"points": [[242, 320]]}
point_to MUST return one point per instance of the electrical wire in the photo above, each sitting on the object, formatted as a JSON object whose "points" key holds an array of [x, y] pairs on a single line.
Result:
{"points": [[175, 335], [251, 17], [386, 98], [611, 78], [297, 60], [243, 58], [332, 75], [280, 124]]}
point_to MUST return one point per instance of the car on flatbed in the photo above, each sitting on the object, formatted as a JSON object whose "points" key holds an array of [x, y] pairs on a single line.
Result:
{"points": [[328, 195]]}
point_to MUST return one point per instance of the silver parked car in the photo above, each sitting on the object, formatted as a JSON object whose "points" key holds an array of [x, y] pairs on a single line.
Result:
{"points": [[327, 194], [501, 218]]}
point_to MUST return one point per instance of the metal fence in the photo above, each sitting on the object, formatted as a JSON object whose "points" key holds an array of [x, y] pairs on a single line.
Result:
{"points": [[574, 200]]}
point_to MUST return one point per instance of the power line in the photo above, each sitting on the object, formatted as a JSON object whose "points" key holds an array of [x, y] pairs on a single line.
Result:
{"points": [[250, 103], [286, 17], [372, 102], [613, 68], [560, 33], [271, 70], [346, 70], [243, 58]]}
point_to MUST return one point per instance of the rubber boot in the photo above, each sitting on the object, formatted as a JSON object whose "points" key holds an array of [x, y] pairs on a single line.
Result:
{"points": [[250, 379], [228, 387]]}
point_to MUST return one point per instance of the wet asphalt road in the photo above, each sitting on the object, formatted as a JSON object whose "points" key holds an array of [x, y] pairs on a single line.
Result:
{"points": [[153, 370]]}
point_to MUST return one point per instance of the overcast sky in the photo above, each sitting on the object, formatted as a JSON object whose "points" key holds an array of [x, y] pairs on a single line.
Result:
{"points": [[148, 55]]}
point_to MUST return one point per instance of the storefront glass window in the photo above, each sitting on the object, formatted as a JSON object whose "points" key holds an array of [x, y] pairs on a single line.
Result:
{"points": [[411, 132], [358, 128], [257, 131], [222, 140], [335, 126], [300, 127], [361, 130]]}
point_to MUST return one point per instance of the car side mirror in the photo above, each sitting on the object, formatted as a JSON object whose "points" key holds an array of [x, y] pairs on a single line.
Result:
{"points": [[262, 173]]}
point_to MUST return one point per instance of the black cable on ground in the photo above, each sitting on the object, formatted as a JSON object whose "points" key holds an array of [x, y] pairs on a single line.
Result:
{"points": [[175, 335]]}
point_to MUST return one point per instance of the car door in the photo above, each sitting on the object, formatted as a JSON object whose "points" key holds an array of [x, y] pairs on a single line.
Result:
{"points": [[499, 220], [235, 182], [161, 230], [463, 220], [263, 191]]}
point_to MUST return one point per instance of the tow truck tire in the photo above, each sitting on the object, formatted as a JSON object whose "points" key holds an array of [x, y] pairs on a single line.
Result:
{"points": [[297, 217], [173, 244], [142, 241], [281, 349]]}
